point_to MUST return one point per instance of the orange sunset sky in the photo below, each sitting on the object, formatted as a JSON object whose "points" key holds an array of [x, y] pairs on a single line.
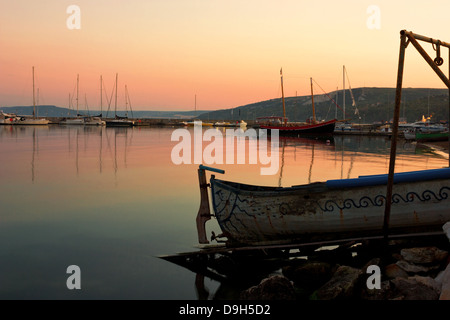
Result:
{"points": [[227, 53]]}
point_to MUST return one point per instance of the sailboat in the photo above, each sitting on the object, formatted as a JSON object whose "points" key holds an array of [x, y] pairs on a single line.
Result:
{"points": [[119, 121], [312, 126], [34, 120], [198, 122], [97, 120], [77, 120], [345, 124]]}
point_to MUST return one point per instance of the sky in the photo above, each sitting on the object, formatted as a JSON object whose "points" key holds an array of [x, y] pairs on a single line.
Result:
{"points": [[208, 54]]}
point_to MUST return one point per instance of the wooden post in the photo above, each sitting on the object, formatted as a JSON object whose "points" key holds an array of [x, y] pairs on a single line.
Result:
{"points": [[398, 98], [204, 212]]}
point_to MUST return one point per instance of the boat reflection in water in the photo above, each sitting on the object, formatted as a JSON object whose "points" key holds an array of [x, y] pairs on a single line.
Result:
{"points": [[259, 223]]}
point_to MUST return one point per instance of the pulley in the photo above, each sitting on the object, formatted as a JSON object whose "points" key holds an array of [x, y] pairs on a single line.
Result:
{"points": [[438, 60]]}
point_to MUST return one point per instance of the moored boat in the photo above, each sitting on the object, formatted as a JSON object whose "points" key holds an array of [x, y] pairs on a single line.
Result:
{"points": [[431, 136], [335, 209], [312, 126]]}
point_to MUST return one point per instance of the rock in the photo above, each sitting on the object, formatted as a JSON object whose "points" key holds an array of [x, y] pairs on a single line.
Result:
{"points": [[272, 288], [414, 268], [341, 286], [383, 293], [424, 255], [445, 284], [393, 271], [446, 228], [429, 282], [413, 289], [312, 274]]}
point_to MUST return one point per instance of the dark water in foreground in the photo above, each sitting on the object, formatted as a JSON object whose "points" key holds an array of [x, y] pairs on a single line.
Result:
{"points": [[110, 200]]}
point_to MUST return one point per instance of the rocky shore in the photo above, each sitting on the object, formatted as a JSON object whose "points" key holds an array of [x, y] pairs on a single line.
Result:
{"points": [[413, 269]]}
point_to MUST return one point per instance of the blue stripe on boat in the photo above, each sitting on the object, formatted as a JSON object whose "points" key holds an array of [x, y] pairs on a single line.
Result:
{"points": [[380, 179]]}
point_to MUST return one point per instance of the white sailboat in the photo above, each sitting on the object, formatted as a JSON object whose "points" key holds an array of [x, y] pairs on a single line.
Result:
{"points": [[22, 120], [77, 120], [119, 121], [97, 120]]}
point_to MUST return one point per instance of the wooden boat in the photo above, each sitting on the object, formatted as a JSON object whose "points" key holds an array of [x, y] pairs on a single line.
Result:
{"points": [[285, 128], [331, 210], [424, 135], [431, 136]]}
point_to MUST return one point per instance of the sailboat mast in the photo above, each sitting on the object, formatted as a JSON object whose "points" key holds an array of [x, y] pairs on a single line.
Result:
{"points": [[312, 99], [282, 96], [34, 98], [115, 103], [126, 101], [101, 95], [343, 89], [78, 81]]}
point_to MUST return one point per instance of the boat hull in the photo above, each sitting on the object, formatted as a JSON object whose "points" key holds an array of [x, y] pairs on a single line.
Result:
{"points": [[254, 215], [318, 128], [119, 123], [32, 122], [436, 136]]}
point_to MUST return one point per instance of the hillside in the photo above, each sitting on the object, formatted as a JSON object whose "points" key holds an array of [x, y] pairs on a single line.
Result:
{"points": [[373, 104]]}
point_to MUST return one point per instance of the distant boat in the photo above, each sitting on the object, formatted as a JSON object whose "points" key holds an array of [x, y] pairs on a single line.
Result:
{"points": [[322, 211], [222, 124], [199, 123], [78, 120], [97, 120], [119, 121], [8, 118], [34, 120], [431, 136], [285, 128]]}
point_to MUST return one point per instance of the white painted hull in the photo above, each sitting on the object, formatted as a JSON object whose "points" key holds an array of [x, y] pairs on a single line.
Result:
{"points": [[32, 122], [95, 122], [79, 121], [317, 212]]}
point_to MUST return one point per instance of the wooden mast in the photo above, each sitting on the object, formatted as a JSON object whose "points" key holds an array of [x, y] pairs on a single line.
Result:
{"points": [[282, 97], [312, 99]]}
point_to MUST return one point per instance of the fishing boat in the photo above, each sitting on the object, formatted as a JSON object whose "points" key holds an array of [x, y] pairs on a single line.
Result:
{"points": [[431, 136], [323, 211], [425, 134], [312, 126]]}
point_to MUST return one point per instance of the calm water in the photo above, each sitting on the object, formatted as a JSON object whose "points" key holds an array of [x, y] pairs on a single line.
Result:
{"points": [[110, 200]]}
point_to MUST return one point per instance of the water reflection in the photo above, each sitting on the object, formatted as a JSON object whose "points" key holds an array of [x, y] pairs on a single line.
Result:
{"points": [[111, 199]]}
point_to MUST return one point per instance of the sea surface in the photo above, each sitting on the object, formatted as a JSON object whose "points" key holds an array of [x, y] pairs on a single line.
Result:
{"points": [[111, 201]]}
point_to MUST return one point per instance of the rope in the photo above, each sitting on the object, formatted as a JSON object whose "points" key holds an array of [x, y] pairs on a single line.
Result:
{"points": [[329, 96]]}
